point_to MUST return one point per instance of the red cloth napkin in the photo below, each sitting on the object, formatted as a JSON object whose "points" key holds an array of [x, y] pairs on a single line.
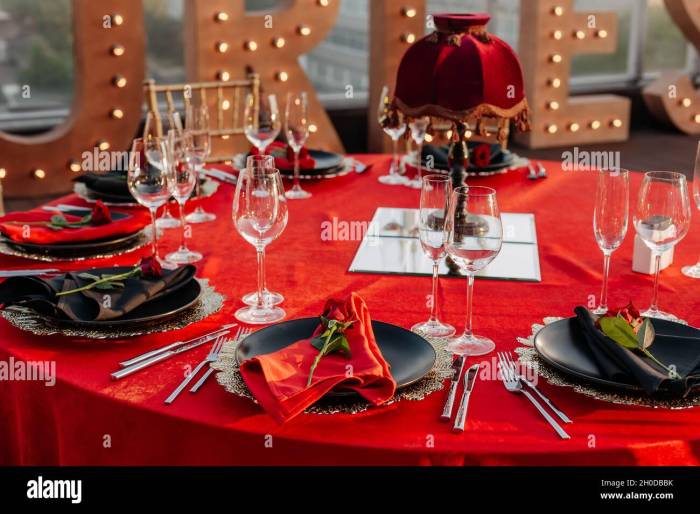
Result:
{"points": [[22, 227], [284, 156], [278, 380]]}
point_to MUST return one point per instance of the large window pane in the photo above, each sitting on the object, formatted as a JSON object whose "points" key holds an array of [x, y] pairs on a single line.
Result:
{"points": [[665, 46], [165, 58]]}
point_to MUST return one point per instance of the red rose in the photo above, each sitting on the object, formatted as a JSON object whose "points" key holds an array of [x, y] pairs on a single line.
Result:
{"points": [[629, 313], [481, 155], [150, 268], [100, 214]]}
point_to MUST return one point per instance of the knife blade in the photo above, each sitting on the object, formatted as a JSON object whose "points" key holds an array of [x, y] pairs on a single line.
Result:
{"points": [[469, 381], [457, 368]]}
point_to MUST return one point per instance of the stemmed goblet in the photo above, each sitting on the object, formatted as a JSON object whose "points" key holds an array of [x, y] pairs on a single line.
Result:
{"points": [[260, 215], [694, 271], [182, 179], [419, 127], [434, 206], [610, 219], [262, 120], [662, 220], [296, 126], [197, 124], [394, 125], [474, 237]]}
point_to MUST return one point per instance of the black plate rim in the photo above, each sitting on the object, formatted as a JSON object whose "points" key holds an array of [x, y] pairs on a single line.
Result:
{"points": [[95, 244]]}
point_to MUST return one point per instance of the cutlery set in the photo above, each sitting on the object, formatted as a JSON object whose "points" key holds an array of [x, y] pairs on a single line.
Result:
{"points": [[469, 380]]}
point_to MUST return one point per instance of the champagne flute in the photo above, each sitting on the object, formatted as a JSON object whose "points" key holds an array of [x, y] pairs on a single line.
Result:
{"points": [[694, 271], [170, 122], [260, 215], [474, 238], [662, 220], [262, 120], [434, 206], [197, 124], [610, 219], [148, 183], [182, 181], [262, 162], [394, 125], [296, 126], [419, 127]]}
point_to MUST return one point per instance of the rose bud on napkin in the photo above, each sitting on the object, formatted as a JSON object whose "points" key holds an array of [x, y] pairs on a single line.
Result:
{"points": [[284, 156], [280, 381]]}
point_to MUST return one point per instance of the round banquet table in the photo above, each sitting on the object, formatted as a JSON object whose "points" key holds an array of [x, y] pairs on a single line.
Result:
{"points": [[87, 419]]}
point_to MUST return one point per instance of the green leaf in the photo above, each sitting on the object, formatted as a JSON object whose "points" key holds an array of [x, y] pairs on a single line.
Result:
{"points": [[619, 331], [58, 220], [88, 276], [318, 342], [645, 335]]}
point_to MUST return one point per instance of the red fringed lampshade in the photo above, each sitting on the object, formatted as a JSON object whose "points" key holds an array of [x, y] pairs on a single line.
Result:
{"points": [[462, 73]]}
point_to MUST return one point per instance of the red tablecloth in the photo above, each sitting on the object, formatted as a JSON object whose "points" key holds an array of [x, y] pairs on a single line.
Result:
{"points": [[88, 419]]}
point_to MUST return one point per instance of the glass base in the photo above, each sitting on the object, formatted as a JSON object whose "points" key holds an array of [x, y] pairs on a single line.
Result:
{"points": [[166, 264], [416, 183], [470, 345], [167, 221], [269, 298], [657, 314], [691, 271], [433, 329], [600, 310], [199, 215], [254, 316], [183, 256], [393, 180], [297, 193]]}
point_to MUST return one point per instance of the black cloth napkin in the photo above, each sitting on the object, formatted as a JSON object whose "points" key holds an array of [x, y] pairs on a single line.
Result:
{"points": [[40, 294], [620, 364], [440, 155], [112, 183]]}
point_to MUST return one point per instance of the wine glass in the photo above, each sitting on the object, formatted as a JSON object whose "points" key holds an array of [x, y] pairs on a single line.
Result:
{"points": [[694, 271], [260, 216], [182, 181], [261, 162], [262, 120], [197, 124], [148, 183], [610, 219], [170, 122], [434, 206], [296, 126], [474, 238], [419, 127], [662, 220], [394, 125]]}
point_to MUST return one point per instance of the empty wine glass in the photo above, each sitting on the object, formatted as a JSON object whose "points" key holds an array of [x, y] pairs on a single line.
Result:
{"points": [[662, 220], [694, 271], [434, 206], [394, 125], [182, 180], [474, 238], [296, 126], [261, 162], [148, 183], [262, 120], [419, 127], [197, 124], [260, 216], [610, 219]]}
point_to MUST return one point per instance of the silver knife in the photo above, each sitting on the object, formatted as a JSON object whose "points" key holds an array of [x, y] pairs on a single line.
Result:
{"points": [[457, 368], [27, 272], [172, 346], [469, 381], [125, 372]]}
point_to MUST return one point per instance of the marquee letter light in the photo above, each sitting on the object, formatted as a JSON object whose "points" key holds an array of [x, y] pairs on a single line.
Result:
{"points": [[394, 26], [225, 43], [551, 33], [108, 45], [672, 98]]}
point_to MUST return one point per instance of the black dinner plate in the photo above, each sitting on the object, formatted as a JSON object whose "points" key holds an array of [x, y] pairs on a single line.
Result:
{"points": [[562, 346], [409, 356], [506, 159], [82, 249], [324, 161]]}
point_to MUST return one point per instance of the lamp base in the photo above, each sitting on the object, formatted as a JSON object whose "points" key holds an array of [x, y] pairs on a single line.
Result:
{"points": [[458, 158]]}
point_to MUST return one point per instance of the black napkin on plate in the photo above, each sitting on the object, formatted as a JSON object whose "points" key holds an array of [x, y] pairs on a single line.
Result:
{"points": [[112, 183], [440, 155], [40, 294], [618, 363]]}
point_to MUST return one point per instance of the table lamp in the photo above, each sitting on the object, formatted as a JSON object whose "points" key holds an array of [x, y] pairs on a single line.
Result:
{"points": [[467, 77]]}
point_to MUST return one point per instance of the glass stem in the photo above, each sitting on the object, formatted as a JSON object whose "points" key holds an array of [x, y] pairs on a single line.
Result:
{"points": [[260, 304], [198, 189], [183, 246], [395, 159], [606, 272], [434, 298], [296, 170], [154, 243], [655, 297], [470, 293], [420, 162]]}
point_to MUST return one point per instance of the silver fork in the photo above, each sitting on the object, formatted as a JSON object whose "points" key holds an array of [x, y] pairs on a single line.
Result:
{"points": [[513, 384], [213, 355], [530, 385], [242, 332]]}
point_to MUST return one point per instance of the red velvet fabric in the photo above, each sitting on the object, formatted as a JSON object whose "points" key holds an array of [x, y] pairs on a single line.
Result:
{"points": [[88, 419]]}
